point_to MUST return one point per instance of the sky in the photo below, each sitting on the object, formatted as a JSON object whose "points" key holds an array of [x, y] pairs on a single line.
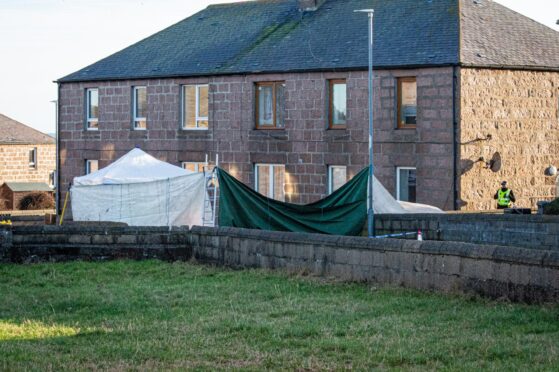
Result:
{"points": [[43, 40]]}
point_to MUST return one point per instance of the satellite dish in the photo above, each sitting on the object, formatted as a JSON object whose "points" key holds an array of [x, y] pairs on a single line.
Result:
{"points": [[550, 171]]}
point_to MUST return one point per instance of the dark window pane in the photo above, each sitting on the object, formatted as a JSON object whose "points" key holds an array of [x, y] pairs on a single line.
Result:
{"points": [[407, 185], [265, 105], [141, 102], [93, 104]]}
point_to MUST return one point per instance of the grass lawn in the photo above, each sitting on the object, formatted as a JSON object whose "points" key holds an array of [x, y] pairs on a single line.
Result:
{"points": [[156, 315]]}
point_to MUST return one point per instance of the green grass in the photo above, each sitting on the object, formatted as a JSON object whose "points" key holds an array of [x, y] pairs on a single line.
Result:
{"points": [[155, 315]]}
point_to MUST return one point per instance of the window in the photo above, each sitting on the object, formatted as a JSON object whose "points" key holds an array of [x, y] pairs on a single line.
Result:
{"points": [[337, 177], [270, 100], [337, 104], [92, 109], [193, 166], [91, 166], [407, 102], [269, 180], [406, 184], [140, 106], [195, 106], [33, 158]]}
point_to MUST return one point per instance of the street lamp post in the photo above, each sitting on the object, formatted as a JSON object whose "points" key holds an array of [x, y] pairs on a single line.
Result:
{"points": [[370, 211]]}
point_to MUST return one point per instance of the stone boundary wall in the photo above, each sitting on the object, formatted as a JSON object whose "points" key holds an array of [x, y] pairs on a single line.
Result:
{"points": [[494, 271], [525, 231]]}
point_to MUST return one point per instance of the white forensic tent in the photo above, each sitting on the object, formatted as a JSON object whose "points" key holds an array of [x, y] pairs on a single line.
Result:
{"points": [[385, 203], [140, 190]]}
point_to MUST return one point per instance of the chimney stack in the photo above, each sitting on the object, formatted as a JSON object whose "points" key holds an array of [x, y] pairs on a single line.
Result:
{"points": [[309, 5]]}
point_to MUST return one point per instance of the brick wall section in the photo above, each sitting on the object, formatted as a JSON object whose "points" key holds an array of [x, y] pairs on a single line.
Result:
{"points": [[519, 109], [526, 231], [305, 146], [14, 163], [14, 166], [495, 271]]}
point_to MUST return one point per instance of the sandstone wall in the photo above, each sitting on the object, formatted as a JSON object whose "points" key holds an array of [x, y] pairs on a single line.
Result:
{"points": [[519, 110], [14, 163], [306, 146]]}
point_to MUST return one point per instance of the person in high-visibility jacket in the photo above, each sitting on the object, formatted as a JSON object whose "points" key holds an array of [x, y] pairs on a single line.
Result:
{"points": [[504, 196]]}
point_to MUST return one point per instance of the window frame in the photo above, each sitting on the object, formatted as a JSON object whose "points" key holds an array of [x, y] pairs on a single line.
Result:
{"points": [[331, 178], [399, 97], [271, 185], [88, 118], [398, 169], [136, 119], [198, 118], [275, 125], [331, 84], [33, 164], [88, 163], [199, 165]]}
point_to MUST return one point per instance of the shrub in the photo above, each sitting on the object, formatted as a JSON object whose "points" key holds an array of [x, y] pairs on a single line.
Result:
{"points": [[552, 208], [36, 200]]}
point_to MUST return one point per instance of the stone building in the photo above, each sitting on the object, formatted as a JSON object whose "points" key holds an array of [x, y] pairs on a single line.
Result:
{"points": [[27, 157], [466, 95]]}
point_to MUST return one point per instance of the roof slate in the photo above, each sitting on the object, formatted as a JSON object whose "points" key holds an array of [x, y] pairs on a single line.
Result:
{"points": [[27, 186], [274, 36], [496, 36], [15, 133]]}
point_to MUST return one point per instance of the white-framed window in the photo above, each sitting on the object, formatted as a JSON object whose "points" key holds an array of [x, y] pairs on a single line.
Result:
{"points": [[406, 184], [92, 109], [194, 107], [139, 107], [193, 166], [33, 158], [269, 180], [337, 177], [91, 166]]}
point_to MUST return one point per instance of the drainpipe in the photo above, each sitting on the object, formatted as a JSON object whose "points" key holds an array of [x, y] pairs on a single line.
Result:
{"points": [[454, 139], [57, 165]]}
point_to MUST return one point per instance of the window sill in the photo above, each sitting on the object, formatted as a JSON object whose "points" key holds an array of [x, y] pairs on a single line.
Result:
{"points": [[270, 133], [269, 128], [337, 134], [188, 130]]}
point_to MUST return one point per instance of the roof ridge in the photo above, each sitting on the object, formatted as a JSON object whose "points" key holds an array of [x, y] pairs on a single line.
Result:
{"points": [[26, 126], [523, 15]]}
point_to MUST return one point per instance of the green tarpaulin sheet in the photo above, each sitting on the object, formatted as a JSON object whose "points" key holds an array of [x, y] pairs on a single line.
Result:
{"points": [[341, 213]]}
